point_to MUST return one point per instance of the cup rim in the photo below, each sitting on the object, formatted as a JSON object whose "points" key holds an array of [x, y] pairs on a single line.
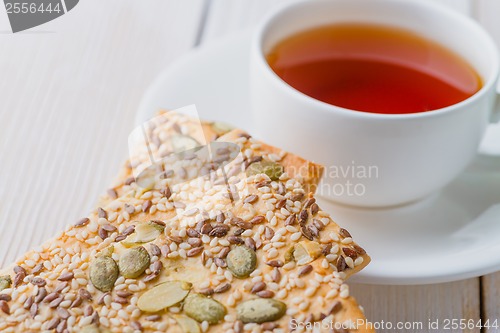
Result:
{"points": [[490, 82]]}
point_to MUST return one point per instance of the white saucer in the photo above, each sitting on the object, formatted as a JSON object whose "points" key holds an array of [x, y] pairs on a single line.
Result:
{"points": [[453, 235]]}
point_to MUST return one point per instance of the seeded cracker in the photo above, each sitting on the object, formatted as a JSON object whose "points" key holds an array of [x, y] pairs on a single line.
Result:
{"points": [[239, 247]]}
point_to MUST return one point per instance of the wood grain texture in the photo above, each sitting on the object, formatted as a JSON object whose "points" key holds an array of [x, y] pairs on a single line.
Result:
{"points": [[69, 91], [419, 304], [491, 301]]}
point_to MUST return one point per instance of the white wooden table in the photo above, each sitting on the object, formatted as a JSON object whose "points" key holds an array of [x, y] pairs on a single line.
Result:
{"points": [[68, 94]]}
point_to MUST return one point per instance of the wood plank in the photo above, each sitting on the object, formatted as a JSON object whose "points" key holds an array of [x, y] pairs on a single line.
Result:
{"points": [[419, 304], [491, 301], [68, 95]]}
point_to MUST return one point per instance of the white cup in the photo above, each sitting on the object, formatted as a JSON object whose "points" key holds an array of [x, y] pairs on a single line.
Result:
{"points": [[404, 157]]}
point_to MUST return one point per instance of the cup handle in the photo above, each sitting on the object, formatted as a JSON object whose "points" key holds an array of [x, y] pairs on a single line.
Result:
{"points": [[495, 115], [489, 147]]}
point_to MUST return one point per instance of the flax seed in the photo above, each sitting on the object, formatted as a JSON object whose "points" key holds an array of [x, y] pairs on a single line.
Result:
{"points": [[305, 270], [82, 222]]}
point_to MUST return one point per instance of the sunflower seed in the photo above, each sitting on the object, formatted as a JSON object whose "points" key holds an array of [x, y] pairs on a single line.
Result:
{"points": [[260, 310]]}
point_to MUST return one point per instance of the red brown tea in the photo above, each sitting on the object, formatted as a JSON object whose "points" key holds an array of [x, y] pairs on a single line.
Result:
{"points": [[373, 68]]}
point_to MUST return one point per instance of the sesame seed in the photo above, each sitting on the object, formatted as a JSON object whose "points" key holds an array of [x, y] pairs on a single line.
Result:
{"points": [[347, 240]]}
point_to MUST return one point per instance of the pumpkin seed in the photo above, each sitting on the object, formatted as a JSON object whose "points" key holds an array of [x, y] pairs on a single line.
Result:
{"points": [[187, 324], [306, 251], [221, 128], [103, 273], [146, 181], [163, 296], [134, 262], [202, 308], [5, 282], [260, 310], [183, 142], [144, 233], [272, 169], [241, 261]]}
